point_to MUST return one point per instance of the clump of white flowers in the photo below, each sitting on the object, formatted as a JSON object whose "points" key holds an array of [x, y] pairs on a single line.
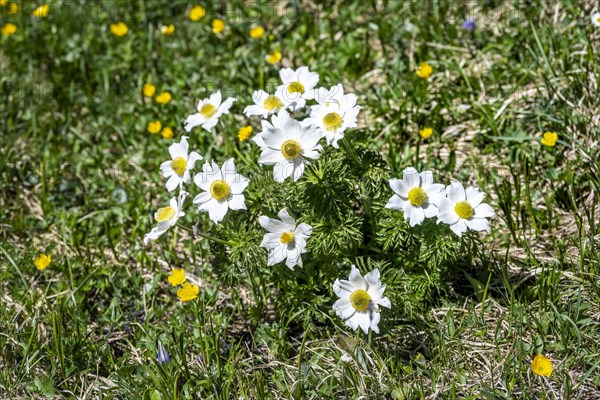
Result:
{"points": [[293, 134]]}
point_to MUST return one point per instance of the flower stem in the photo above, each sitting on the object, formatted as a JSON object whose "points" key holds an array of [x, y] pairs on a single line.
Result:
{"points": [[205, 236]]}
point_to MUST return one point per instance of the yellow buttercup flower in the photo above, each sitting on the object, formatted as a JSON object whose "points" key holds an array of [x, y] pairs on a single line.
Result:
{"points": [[274, 57], [163, 98], [257, 32], [13, 8], [177, 277], [3, 2], [188, 292], [218, 26], [8, 29], [149, 90], [167, 133], [244, 133], [42, 11], [549, 139], [42, 261], [541, 366], [167, 30], [424, 71], [119, 29], [426, 133], [197, 13], [154, 127]]}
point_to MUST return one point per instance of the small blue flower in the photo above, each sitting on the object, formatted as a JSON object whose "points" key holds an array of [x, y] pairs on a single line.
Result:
{"points": [[469, 25], [163, 356]]}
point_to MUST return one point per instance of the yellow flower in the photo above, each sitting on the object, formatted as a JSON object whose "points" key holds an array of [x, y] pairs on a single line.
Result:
{"points": [[177, 277], [244, 133], [549, 139], [42, 261], [41, 11], [163, 98], [197, 13], [167, 29], [257, 32], [424, 71], [8, 29], [13, 8], [149, 90], [274, 57], [218, 26], [188, 292], [3, 2], [541, 366], [426, 133], [154, 127], [167, 133], [119, 29]]}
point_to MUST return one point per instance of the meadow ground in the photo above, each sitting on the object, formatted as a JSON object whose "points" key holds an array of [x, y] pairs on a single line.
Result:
{"points": [[80, 181]]}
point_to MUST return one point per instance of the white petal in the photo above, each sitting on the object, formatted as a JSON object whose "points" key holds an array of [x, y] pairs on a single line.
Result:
{"points": [[411, 178], [478, 224], [399, 187], [456, 192], [459, 228], [484, 210], [474, 196], [272, 225], [237, 202]]}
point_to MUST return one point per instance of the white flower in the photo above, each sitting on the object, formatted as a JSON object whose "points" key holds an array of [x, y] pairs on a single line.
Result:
{"points": [[596, 18], [285, 240], [179, 167], [289, 147], [463, 209], [416, 195], [166, 217], [334, 114], [298, 86], [266, 104], [360, 299], [222, 189], [209, 111]]}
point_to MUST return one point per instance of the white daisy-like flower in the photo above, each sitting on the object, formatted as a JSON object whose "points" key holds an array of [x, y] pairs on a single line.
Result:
{"points": [[416, 195], [223, 189], [596, 18], [335, 113], [167, 217], [359, 300], [181, 163], [209, 112], [463, 209], [266, 104], [298, 86], [289, 146], [285, 240]]}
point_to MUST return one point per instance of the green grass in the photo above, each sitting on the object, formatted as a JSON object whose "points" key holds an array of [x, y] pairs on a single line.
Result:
{"points": [[80, 181]]}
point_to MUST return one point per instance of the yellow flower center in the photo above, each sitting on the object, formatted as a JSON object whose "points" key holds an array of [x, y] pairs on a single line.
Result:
{"points": [[286, 237], [220, 190], [360, 300], [179, 164], [417, 196], [272, 103], [464, 209], [164, 214], [208, 110], [295, 87], [333, 121], [291, 149]]}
